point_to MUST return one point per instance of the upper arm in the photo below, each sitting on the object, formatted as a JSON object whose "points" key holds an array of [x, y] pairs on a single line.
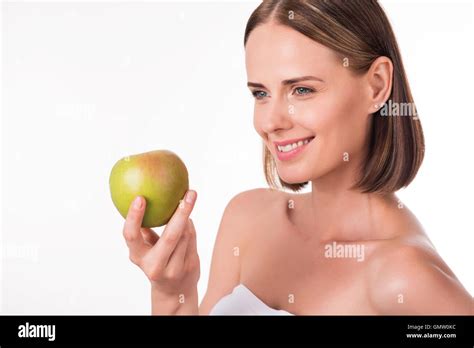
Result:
{"points": [[410, 280], [224, 273]]}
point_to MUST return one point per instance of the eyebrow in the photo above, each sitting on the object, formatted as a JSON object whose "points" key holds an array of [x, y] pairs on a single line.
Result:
{"points": [[287, 82]]}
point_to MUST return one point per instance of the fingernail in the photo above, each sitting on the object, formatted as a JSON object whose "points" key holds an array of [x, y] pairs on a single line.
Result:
{"points": [[190, 196], [137, 203]]}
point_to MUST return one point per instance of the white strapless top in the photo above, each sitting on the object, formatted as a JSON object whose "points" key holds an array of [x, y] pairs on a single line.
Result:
{"points": [[242, 301]]}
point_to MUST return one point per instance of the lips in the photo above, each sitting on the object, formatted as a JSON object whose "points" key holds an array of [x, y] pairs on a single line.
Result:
{"points": [[288, 149], [292, 143]]}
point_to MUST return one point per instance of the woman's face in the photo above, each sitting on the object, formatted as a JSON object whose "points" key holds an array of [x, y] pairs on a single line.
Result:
{"points": [[303, 91]]}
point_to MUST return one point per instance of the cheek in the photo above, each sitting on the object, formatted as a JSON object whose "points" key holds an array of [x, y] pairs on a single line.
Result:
{"points": [[352, 125], [339, 123]]}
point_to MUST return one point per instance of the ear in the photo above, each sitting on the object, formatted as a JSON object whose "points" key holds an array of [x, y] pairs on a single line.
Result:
{"points": [[379, 78]]}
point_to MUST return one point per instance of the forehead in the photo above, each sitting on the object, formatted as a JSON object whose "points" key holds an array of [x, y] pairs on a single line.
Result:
{"points": [[276, 51]]}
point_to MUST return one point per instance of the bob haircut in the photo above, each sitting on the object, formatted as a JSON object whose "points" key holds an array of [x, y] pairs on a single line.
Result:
{"points": [[359, 32]]}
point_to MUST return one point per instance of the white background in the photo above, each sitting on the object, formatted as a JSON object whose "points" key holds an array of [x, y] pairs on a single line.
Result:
{"points": [[85, 84]]}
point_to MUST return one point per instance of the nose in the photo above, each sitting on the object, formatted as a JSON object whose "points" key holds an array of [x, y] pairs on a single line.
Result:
{"points": [[274, 116]]}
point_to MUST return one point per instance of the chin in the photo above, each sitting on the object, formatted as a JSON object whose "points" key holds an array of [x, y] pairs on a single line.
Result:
{"points": [[293, 175]]}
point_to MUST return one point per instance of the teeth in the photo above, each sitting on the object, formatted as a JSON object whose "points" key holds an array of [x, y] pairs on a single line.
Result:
{"points": [[290, 147]]}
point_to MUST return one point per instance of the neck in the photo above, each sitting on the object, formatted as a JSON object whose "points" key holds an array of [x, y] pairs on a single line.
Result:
{"points": [[339, 212]]}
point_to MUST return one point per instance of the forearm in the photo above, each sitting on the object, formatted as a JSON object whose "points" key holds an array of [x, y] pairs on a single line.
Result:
{"points": [[179, 304]]}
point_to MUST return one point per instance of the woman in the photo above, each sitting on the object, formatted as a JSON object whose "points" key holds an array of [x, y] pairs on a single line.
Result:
{"points": [[322, 74]]}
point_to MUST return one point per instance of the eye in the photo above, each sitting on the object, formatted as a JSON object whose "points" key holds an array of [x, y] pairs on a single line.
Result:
{"points": [[302, 91], [259, 94]]}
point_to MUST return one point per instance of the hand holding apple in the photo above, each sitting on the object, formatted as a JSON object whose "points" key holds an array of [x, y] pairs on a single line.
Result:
{"points": [[170, 261]]}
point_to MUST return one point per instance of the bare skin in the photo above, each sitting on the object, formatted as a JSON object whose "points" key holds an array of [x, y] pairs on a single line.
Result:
{"points": [[268, 237], [401, 273]]}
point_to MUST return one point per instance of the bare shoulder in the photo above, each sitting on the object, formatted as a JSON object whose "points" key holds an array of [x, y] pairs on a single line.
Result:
{"points": [[407, 276], [241, 208], [240, 217], [253, 208], [246, 209], [246, 201]]}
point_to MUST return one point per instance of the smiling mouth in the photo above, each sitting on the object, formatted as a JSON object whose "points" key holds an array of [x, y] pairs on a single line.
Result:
{"points": [[294, 145]]}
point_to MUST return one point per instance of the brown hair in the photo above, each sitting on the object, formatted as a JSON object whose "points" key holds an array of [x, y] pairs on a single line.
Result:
{"points": [[358, 31]]}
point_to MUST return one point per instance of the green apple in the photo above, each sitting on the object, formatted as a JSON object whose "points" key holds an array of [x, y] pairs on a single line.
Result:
{"points": [[159, 176]]}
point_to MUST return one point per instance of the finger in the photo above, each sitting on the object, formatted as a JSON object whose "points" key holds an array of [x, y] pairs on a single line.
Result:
{"points": [[192, 244], [176, 260], [162, 250], [131, 229], [179, 220], [149, 236]]}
